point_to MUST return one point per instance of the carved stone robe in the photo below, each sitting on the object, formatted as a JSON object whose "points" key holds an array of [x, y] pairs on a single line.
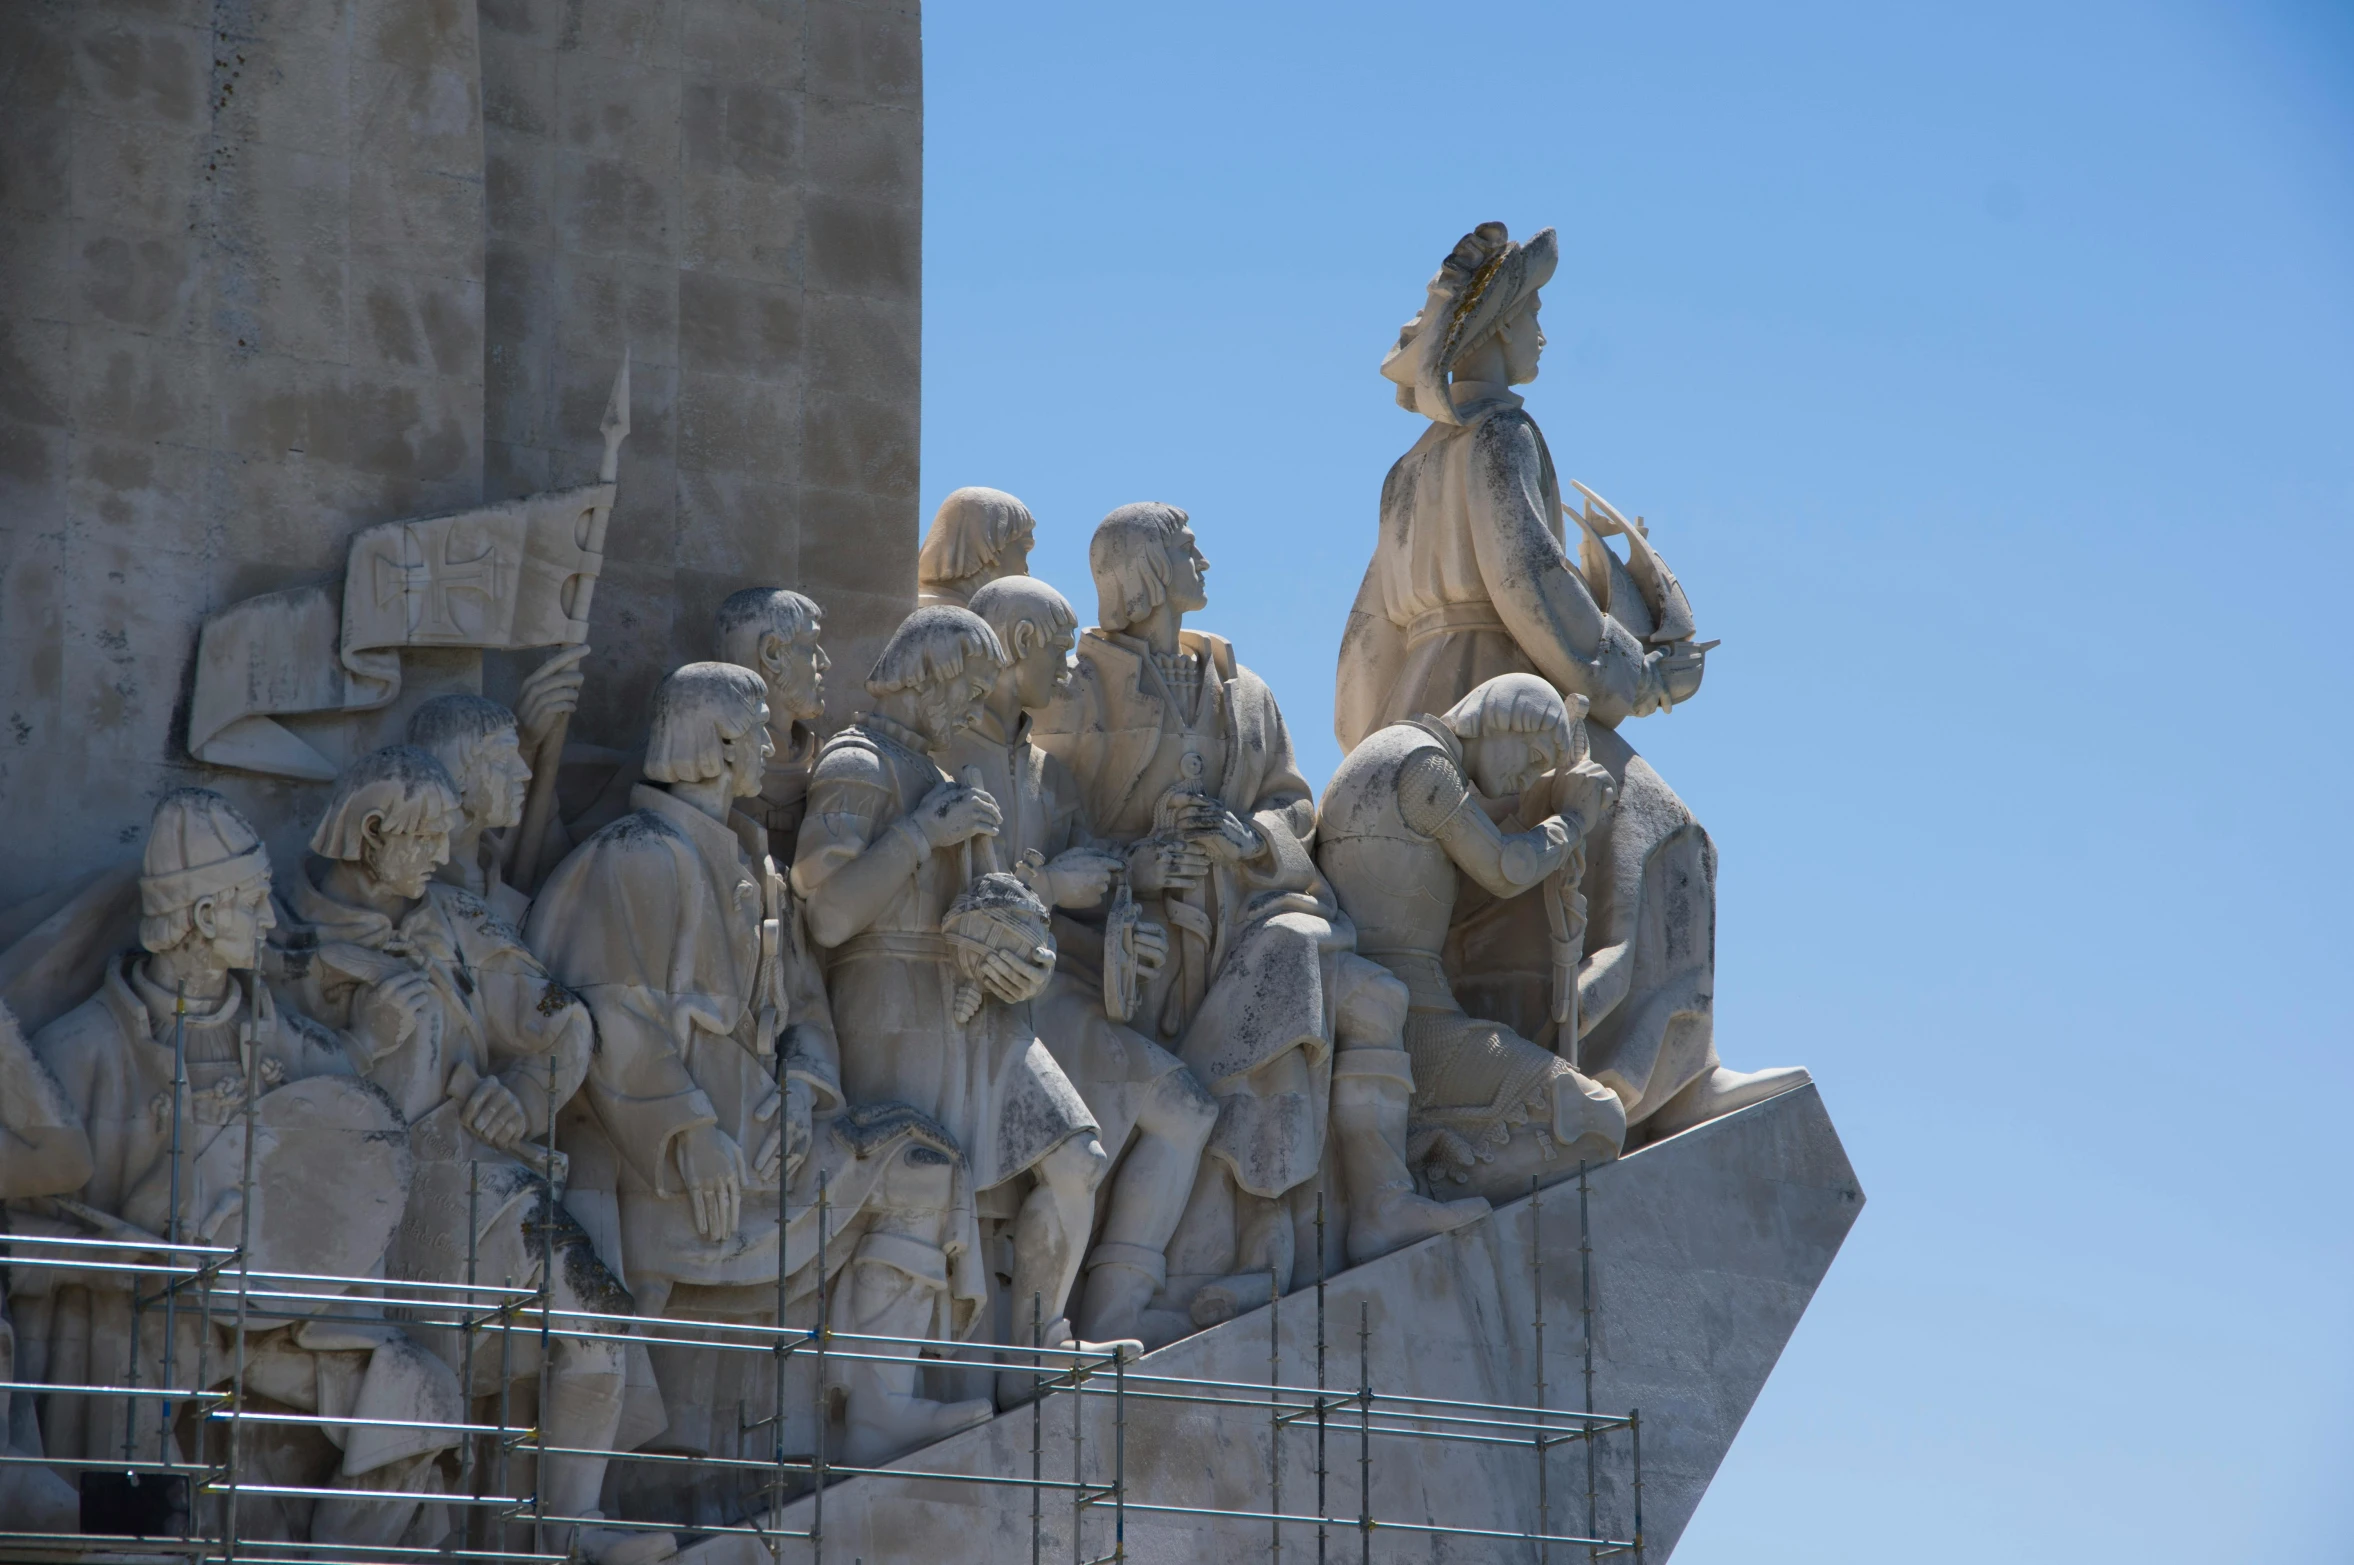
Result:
{"points": [[501, 1015], [686, 944], [1114, 1067], [990, 1081], [1245, 999], [1470, 580], [114, 1063]]}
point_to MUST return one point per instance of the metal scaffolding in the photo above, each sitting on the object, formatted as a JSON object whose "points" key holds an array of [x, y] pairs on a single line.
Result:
{"points": [[503, 1519]]}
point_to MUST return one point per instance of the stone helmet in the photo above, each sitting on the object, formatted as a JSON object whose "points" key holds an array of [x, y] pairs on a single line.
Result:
{"points": [[197, 846]]}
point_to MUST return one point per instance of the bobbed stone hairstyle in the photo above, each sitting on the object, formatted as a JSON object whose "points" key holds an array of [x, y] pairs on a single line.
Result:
{"points": [[1011, 602], [1520, 704], [698, 710], [930, 646], [402, 788], [1129, 557], [968, 533], [450, 726], [755, 612]]}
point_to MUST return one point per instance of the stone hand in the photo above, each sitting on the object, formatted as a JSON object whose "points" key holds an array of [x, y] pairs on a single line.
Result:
{"points": [[1230, 839], [493, 1115], [1014, 980], [1678, 670], [786, 1141], [1583, 794], [551, 691], [711, 1166], [1077, 878], [1161, 863], [953, 813], [1149, 944], [393, 1010]]}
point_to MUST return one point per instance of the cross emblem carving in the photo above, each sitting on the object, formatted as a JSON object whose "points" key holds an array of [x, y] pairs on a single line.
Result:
{"points": [[425, 586]]}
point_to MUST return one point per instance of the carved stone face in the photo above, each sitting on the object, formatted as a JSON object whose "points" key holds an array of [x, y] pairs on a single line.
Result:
{"points": [[232, 923], [1188, 568], [1502, 765], [794, 672], [403, 861], [496, 780], [952, 705], [1012, 560], [747, 757], [1043, 672], [1524, 343]]}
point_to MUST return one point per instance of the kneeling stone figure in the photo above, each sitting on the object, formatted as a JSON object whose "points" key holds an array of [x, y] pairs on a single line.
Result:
{"points": [[1403, 820]]}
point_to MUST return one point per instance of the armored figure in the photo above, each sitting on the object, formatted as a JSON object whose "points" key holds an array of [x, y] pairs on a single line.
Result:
{"points": [[977, 535], [1403, 823], [1153, 1117], [1182, 757], [158, 1067], [478, 1046], [889, 846], [714, 1105], [1470, 580]]}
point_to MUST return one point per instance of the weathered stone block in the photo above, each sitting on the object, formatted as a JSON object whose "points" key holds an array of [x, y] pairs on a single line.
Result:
{"points": [[613, 108], [731, 325], [608, 207], [738, 529], [867, 53], [860, 247], [749, 129], [729, 424], [132, 69], [867, 347], [740, 226], [859, 443], [867, 150], [757, 39]]}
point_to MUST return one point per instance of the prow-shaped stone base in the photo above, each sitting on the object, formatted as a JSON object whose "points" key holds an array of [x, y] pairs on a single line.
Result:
{"points": [[1706, 1249]]}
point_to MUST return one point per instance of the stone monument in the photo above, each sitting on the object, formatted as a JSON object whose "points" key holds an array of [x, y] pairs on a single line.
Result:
{"points": [[491, 1060]]}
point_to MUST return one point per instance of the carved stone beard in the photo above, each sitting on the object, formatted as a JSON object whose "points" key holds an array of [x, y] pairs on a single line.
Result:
{"points": [[946, 710]]}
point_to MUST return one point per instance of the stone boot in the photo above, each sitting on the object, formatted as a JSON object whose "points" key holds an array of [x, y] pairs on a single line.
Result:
{"points": [[1370, 1090], [623, 1545], [1122, 1281], [1719, 1092], [1014, 1385], [884, 1422]]}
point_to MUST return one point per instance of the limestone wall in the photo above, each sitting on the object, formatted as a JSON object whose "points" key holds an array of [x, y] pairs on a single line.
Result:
{"points": [[272, 270]]}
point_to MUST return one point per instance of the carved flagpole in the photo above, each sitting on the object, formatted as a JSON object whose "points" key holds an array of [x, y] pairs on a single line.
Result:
{"points": [[540, 805]]}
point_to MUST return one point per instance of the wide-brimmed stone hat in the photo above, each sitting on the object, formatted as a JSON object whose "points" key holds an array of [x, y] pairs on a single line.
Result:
{"points": [[1483, 279]]}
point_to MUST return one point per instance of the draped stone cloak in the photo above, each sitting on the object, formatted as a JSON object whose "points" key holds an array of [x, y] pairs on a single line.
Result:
{"points": [[114, 1065], [1469, 580], [1114, 1067], [989, 1081], [501, 1015], [1256, 949], [691, 952]]}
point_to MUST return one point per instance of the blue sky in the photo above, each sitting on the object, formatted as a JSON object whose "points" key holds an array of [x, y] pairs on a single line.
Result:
{"points": [[1987, 374]]}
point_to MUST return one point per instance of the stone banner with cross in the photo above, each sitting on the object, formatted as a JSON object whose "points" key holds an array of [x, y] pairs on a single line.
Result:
{"points": [[506, 576]]}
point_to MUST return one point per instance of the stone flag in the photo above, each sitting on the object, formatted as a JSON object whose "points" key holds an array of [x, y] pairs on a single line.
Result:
{"points": [[518, 574]]}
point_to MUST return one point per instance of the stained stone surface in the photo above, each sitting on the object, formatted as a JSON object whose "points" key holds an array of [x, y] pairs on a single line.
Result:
{"points": [[734, 188], [272, 271], [1706, 1248]]}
